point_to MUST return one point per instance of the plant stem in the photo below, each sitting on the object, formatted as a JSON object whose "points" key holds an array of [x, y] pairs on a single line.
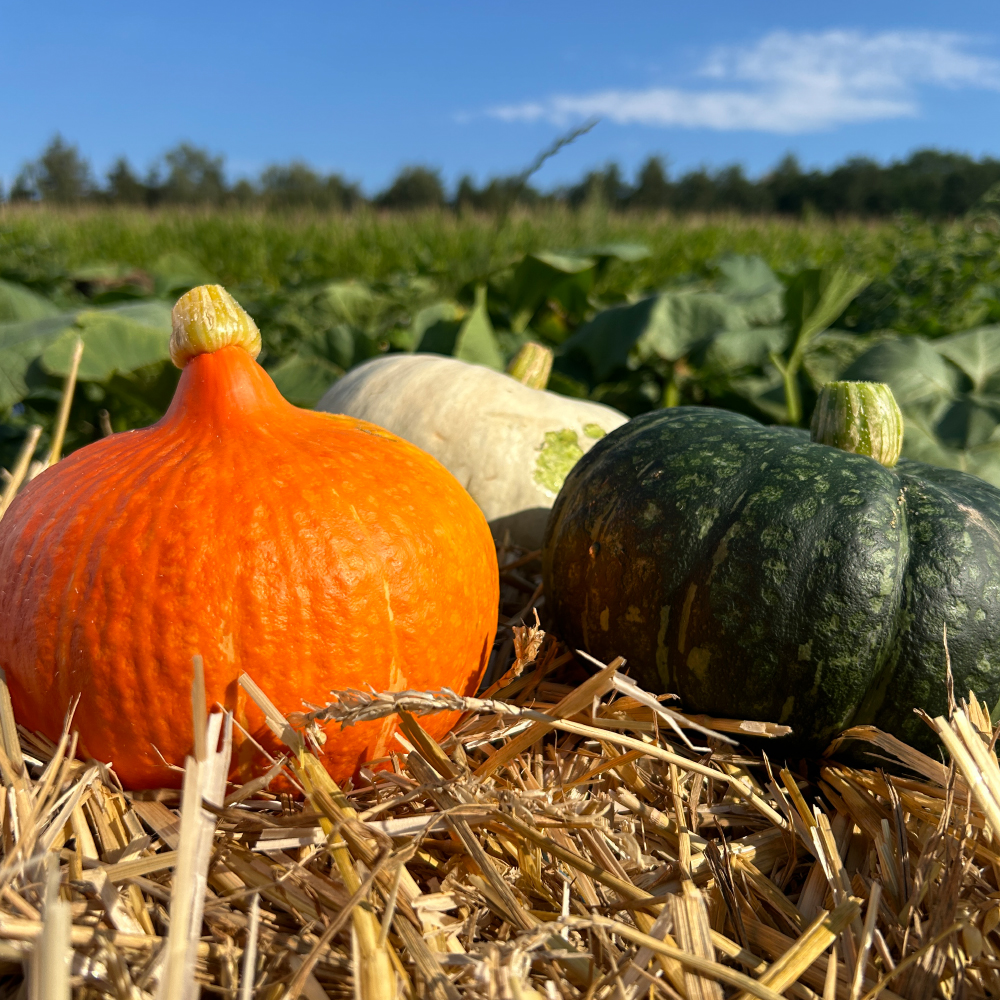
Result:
{"points": [[671, 394], [62, 417], [789, 375], [793, 401]]}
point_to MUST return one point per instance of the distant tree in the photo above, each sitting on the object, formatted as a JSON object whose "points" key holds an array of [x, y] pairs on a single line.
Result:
{"points": [[23, 188], [929, 183], [858, 187], [467, 195], [734, 191], [298, 186], [934, 183], [243, 192], [695, 192], [123, 186], [500, 194], [194, 177], [652, 188], [599, 187], [60, 175], [790, 189], [614, 190], [293, 186], [413, 187]]}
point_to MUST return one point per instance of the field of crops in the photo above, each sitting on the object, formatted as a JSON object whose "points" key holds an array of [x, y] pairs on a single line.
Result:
{"points": [[642, 310]]}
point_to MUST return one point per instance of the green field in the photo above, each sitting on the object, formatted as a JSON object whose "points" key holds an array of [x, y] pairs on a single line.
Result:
{"points": [[252, 249], [642, 309]]}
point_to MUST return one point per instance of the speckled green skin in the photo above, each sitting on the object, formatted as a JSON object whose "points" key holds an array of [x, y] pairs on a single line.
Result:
{"points": [[761, 576]]}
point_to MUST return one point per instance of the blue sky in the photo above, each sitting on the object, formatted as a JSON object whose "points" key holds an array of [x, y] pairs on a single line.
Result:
{"points": [[479, 88]]}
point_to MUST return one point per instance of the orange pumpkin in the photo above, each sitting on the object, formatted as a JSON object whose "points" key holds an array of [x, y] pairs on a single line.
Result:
{"points": [[314, 552]]}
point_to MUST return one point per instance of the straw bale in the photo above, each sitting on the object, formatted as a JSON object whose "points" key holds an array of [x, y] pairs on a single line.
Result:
{"points": [[574, 837]]}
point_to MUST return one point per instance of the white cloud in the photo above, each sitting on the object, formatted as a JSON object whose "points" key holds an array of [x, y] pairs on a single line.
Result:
{"points": [[790, 83]]}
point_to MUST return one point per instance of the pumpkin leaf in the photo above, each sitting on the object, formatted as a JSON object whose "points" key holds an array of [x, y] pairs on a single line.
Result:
{"points": [[148, 313], [829, 353], [543, 276], [732, 350], [922, 443], [440, 337], [944, 425], [984, 461], [351, 301], [13, 368], [765, 393], [303, 380], [446, 310], [20, 344], [176, 272], [105, 282], [746, 274], [18, 303], [605, 342], [476, 341], [335, 344], [638, 392], [34, 331], [966, 424], [436, 327], [106, 332], [112, 343], [911, 367], [628, 253], [750, 282], [976, 352], [666, 326], [815, 297]]}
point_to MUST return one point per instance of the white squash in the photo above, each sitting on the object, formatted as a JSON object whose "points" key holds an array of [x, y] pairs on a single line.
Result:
{"points": [[509, 445]]}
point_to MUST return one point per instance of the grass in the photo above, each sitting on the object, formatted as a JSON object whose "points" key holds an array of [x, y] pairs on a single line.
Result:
{"points": [[255, 248]]}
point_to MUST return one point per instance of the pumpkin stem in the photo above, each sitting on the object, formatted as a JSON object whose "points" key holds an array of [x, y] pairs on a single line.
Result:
{"points": [[532, 365], [861, 417], [205, 320]]}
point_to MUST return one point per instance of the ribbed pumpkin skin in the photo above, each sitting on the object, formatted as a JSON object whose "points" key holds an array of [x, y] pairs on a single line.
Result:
{"points": [[312, 551], [761, 576]]}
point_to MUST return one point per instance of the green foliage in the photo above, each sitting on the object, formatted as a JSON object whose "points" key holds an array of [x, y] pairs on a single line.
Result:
{"points": [[415, 187], [124, 370], [814, 298], [194, 177], [943, 279], [60, 175], [19, 303], [114, 342], [297, 186], [753, 316]]}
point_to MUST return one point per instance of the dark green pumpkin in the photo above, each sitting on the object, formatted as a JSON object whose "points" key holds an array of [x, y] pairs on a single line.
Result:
{"points": [[762, 576]]}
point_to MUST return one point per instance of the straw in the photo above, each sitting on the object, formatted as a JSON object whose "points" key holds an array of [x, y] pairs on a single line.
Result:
{"points": [[20, 470], [575, 838], [65, 402]]}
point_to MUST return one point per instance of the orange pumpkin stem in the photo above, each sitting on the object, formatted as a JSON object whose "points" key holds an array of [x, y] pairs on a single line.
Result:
{"points": [[205, 320]]}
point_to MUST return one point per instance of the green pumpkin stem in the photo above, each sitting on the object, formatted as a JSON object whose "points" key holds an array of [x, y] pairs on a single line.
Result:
{"points": [[861, 417], [532, 365]]}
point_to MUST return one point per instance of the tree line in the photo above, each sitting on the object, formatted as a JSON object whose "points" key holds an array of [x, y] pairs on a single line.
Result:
{"points": [[928, 183]]}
